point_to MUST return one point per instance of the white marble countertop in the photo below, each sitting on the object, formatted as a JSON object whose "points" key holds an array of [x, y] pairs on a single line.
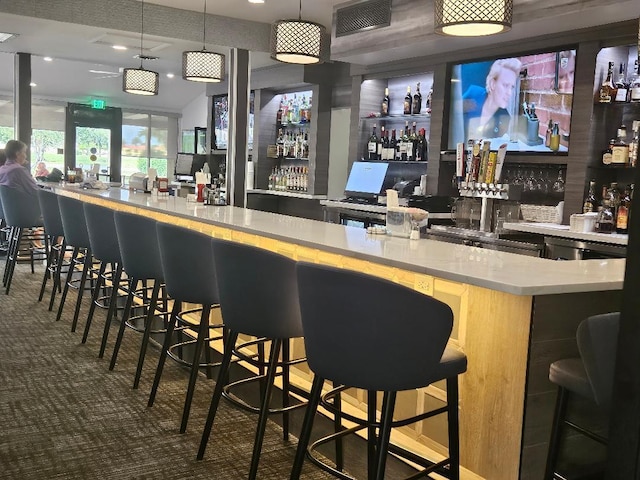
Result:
{"points": [[287, 193], [506, 272], [554, 230]]}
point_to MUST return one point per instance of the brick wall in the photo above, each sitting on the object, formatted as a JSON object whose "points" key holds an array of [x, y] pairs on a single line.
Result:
{"points": [[538, 88]]}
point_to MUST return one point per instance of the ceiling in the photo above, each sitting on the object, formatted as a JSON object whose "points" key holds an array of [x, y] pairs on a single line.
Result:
{"points": [[85, 66]]}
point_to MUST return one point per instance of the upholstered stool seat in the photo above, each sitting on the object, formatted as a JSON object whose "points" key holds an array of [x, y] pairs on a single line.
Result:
{"points": [[396, 340]]}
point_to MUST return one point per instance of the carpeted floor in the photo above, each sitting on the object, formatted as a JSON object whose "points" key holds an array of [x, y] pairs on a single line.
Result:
{"points": [[63, 415]]}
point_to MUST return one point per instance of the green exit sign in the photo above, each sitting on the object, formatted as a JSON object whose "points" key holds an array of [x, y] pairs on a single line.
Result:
{"points": [[98, 104]]}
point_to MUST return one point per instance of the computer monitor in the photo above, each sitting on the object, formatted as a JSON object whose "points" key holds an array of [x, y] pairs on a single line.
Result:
{"points": [[366, 179], [183, 164]]}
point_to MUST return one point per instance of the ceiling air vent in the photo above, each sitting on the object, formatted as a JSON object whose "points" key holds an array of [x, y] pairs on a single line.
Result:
{"points": [[363, 16]]}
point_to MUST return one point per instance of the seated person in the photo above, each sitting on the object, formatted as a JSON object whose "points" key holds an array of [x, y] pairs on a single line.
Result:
{"points": [[41, 170]]}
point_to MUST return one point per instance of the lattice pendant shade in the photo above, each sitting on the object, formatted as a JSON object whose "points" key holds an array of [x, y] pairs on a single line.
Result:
{"points": [[472, 18], [140, 81], [203, 66], [297, 41]]}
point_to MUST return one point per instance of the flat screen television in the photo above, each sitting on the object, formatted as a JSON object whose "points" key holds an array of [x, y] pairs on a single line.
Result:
{"points": [[366, 179], [514, 100]]}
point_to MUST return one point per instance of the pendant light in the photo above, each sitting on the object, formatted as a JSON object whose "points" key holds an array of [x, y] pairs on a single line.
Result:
{"points": [[298, 41], [202, 65], [138, 80], [472, 19]]}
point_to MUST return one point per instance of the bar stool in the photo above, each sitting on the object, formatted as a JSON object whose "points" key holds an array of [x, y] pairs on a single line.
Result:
{"points": [[104, 247], [394, 341], [53, 229], [189, 273], [258, 297], [140, 252], [21, 211], [590, 377], [77, 235]]}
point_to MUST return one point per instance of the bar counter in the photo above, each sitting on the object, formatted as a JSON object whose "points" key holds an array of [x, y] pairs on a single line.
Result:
{"points": [[514, 315]]}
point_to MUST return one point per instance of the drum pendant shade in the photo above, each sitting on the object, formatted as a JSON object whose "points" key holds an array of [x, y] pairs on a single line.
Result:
{"points": [[472, 18], [202, 65], [298, 41], [140, 81]]}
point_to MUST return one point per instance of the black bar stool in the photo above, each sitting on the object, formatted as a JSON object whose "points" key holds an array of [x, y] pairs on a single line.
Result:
{"points": [[21, 212], [104, 247], [55, 232], [140, 252], [258, 297], [395, 340], [590, 377], [189, 273], [77, 235]]}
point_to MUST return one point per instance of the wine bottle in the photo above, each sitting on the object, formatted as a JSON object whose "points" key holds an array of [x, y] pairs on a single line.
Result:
{"points": [[372, 146], [421, 146], [385, 147], [417, 101], [404, 145], [380, 152], [393, 146], [411, 143], [408, 101], [386, 104]]}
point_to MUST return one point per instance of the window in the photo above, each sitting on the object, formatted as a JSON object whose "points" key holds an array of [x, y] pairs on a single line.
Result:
{"points": [[145, 139], [47, 137]]}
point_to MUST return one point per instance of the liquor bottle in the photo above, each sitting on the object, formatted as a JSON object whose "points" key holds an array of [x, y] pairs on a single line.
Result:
{"points": [[547, 136], [634, 85], [614, 197], [622, 87], [635, 144], [590, 203], [428, 101], [386, 104], [280, 144], [385, 147], [420, 147], [605, 222], [305, 146], [622, 218], [408, 101], [284, 118], [393, 146], [554, 138], [620, 149], [607, 88], [607, 155], [372, 146], [417, 101], [279, 114]]}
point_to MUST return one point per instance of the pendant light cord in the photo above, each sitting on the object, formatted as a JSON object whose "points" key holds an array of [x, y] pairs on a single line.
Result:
{"points": [[300, 11], [204, 27], [141, 29]]}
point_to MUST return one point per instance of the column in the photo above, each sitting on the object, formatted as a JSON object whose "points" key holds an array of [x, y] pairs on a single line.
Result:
{"points": [[22, 98]]}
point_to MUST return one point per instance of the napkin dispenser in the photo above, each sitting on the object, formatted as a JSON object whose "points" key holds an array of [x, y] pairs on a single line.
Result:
{"points": [[139, 181], [398, 222]]}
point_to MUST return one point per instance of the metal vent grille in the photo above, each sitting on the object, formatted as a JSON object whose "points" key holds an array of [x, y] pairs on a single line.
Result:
{"points": [[363, 16]]}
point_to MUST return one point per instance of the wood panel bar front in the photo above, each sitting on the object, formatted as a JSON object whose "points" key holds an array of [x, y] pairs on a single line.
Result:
{"points": [[493, 319]]}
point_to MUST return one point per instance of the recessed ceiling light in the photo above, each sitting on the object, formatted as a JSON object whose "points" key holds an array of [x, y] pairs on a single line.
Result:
{"points": [[256, 1], [33, 84], [170, 75], [119, 47], [6, 36], [48, 59]]}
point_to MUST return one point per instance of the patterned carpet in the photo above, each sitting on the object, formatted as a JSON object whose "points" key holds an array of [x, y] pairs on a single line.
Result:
{"points": [[63, 415]]}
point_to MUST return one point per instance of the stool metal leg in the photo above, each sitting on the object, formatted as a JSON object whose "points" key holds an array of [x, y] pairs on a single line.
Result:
{"points": [[264, 408], [147, 332], [15, 251], [83, 279], [203, 331], [133, 283], [372, 401], [388, 405], [307, 425], [51, 254], [556, 431], [65, 290], [177, 306], [454, 428], [113, 308], [229, 344], [286, 356], [337, 427], [57, 276], [94, 300]]}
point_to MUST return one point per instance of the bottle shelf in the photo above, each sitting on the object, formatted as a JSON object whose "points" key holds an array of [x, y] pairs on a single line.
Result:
{"points": [[397, 117], [613, 166], [293, 125]]}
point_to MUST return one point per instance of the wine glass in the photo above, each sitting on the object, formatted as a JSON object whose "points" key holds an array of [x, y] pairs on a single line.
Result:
{"points": [[558, 185]]}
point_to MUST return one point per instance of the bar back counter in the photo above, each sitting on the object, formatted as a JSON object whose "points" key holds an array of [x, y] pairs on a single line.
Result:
{"points": [[514, 315]]}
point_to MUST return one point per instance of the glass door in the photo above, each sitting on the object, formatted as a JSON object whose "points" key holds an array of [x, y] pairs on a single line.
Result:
{"points": [[93, 151]]}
